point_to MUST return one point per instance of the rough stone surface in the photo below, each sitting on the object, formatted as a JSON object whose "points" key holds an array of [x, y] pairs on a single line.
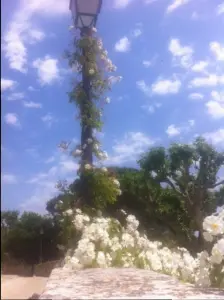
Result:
{"points": [[114, 283]]}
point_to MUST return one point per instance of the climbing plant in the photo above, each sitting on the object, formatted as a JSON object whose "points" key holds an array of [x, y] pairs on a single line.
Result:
{"points": [[89, 61]]}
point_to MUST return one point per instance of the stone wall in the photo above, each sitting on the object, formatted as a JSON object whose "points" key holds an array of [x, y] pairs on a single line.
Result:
{"points": [[17, 268], [45, 269], [14, 267], [124, 283]]}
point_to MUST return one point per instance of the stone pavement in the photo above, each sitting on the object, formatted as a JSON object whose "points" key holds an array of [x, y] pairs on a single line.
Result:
{"points": [[125, 283]]}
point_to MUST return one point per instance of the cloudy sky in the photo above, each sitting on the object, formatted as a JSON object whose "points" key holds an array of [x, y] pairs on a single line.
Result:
{"points": [[170, 54]]}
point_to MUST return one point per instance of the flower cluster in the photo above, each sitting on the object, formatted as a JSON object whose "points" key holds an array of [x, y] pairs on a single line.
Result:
{"points": [[106, 243]]}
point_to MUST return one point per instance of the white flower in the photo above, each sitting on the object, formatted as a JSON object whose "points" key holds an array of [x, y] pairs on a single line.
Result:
{"points": [[207, 236], [119, 192], [68, 212], [91, 71], [214, 225], [103, 155], [61, 247], [94, 29], [107, 100], [101, 259], [87, 167], [104, 169], [60, 202], [77, 152], [116, 182], [89, 141], [96, 147]]}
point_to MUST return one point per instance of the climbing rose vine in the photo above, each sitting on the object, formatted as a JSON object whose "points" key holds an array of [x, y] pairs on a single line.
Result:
{"points": [[91, 59], [104, 242]]}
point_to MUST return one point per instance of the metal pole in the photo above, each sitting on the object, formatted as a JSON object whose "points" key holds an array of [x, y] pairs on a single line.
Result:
{"points": [[41, 246], [87, 130]]}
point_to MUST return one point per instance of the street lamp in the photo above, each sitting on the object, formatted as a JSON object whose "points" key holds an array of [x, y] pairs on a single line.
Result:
{"points": [[85, 12]]}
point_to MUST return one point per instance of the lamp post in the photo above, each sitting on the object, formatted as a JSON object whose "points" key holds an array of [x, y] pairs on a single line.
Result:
{"points": [[85, 14], [41, 246]]}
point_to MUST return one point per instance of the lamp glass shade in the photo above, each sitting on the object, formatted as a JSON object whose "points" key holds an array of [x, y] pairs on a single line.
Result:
{"points": [[91, 7], [85, 21], [85, 12]]}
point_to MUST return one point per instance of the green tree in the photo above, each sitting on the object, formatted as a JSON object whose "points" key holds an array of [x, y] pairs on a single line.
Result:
{"points": [[33, 238], [190, 171]]}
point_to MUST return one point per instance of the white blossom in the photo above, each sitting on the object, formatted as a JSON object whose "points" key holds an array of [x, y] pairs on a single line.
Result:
{"points": [[88, 167], [91, 71]]}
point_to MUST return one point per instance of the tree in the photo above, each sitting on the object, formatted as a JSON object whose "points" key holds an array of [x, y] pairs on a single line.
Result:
{"points": [[9, 218], [25, 242], [156, 207], [190, 171], [219, 197]]}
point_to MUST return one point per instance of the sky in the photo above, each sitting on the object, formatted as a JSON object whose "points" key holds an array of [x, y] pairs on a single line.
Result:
{"points": [[170, 54]]}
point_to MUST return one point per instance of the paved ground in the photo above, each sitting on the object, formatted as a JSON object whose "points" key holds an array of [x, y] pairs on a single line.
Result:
{"points": [[16, 287]]}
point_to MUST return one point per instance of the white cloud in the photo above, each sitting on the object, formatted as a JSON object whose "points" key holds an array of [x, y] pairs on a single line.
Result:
{"points": [[123, 45], [166, 86], [147, 63], [15, 96], [12, 119], [176, 4], [47, 69], [215, 109], [129, 148], [31, 104], [220, 9], [182, 54], [196, 96], [172, 130], [216, 137], [143, 87], [119, 4], [44, 182], [31, 88], [36, 35], [21, 32], [49, 119], [191, 122], [137, 32], [195, 16], [217, 96], [50, 160], [7, 84], [8, 178], [217, 50], [151, 108], [211, 80], [199, 66]]}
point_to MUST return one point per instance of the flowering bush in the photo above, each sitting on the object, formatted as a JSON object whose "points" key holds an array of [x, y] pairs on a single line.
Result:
{"points": [[93, 68], [105, 243]]}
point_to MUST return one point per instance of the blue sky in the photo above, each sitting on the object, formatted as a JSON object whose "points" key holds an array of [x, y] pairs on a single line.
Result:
{"points": [[170, 54]]}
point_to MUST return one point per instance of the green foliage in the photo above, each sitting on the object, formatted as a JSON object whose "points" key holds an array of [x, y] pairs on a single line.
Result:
{"points": [[101, 188], [24, 240], [190, 171]]}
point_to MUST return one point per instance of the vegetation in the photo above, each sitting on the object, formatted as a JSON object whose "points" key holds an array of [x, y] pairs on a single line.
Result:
{"points": [[170, 194]]}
